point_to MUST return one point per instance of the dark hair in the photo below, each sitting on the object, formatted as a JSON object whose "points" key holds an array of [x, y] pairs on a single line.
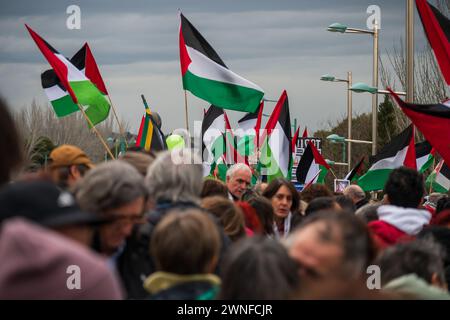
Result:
{"points": [[405, 188], [276, 184], [320, 204], [185, 242], [212, 187], [11, 144], [64, 174], [264, 264], [314, 191], [421, 257], [442, 204], [229, 215], [264, 210], [357, 244], [346, 203]]}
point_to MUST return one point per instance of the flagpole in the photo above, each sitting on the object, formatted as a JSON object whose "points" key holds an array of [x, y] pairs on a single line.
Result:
{"points": [[96, 131], [186, 110], [431, 182], [331, 170], [122, 132]]}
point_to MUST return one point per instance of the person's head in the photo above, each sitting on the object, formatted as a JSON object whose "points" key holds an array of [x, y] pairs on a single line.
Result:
{"points": [[355, 193], [114, 190], [213, 187], [284, 197], [422, 257], [229, 215], [258, 268], [186, 242], [46, 204], [404, 188], [345, 203], [314, 191], [176, 178], [140, 160], [10, 142], [442, 204], [330, 244], [264, 211], [260, 187], [68, 164], [368, 212], [320, 204], [239, 178]]}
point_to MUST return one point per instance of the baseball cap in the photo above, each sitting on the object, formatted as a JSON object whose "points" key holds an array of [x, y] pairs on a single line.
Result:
{"points": [[44, 203], [68, 155]]}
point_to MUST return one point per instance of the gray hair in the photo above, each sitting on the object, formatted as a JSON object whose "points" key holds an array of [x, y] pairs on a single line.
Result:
{"points": [[355, 192], [424, 257], [181, 180], [237, 167], [109, 185]]}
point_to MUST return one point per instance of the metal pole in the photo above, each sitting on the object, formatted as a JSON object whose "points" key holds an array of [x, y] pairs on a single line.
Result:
{"points": [[409, 51], [375, 84], [343, 153], [349, 116], [186, 110]]}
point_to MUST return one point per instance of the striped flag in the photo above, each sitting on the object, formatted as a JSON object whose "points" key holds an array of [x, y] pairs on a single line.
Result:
{"points": [[310, 165], [81, 90], [206, 76], [439, 179]]}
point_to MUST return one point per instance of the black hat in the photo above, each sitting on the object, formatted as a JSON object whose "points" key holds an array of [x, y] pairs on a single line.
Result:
{"points": [[44, 203]]}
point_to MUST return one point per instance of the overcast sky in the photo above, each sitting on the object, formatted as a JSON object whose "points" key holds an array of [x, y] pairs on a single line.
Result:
{"points": [[274, 43]]}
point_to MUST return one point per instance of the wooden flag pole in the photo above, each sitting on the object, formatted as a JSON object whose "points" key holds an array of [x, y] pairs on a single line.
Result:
{"points": [[122, 133], [186, 110], [331, 170], [96, 131]]}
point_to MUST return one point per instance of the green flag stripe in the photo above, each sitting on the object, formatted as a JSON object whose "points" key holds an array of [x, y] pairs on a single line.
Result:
{"points": [[223, 95]]}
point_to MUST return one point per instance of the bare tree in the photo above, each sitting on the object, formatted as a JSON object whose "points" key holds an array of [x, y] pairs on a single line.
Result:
{"points": [[40, 121]]}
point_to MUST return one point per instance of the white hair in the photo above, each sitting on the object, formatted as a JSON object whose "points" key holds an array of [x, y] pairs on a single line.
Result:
{"points": [[237, 167], [181, 180]]}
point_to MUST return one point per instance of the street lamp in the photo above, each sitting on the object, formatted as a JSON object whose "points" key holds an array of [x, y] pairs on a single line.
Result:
{"points": [[337, 138], [341, 28], [362, 87], [328, 77]]}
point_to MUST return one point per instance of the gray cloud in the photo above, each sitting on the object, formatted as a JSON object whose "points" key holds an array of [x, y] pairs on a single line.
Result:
{"points": [[276, 44]]}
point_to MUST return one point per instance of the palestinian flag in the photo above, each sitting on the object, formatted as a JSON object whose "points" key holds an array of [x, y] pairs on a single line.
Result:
{"points": [[399, 152], [206, 76], [213, 141], [439, 178], [57, 94], [294, 140], [424, 156], [232, 155], [437, 30], [433, 120], [150, 137], [81, 90], [305, 133], [355, 173], [312, 167], [276, 152]]}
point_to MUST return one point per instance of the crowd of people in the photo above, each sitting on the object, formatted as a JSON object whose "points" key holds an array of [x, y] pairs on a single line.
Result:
{"points": [[147, 227]]}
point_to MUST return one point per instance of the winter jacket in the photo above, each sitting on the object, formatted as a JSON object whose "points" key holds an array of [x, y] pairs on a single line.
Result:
{"points": [[170, 286], [418, 288], [136, 264], [395, 224]]}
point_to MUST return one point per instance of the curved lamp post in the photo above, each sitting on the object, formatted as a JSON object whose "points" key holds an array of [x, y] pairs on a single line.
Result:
{"points": [[341, 28], [331, 78]]}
